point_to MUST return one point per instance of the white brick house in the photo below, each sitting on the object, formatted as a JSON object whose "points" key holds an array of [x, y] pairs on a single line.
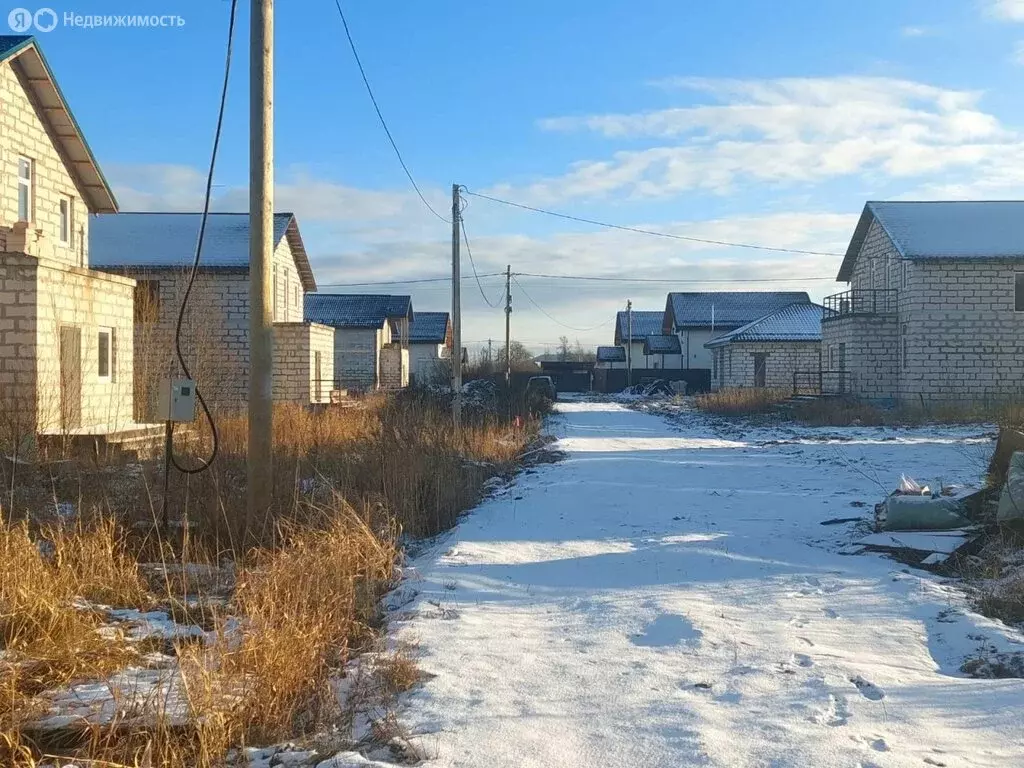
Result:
{"points": [[66, 343], [935, 306], [781, 350], [371, 338], [430, 348], [157, 249], [697, 318], [631, 332]]}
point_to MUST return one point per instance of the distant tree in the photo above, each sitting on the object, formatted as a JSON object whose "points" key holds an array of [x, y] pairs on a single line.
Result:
{"points": [[580, 355], [564, 352], [522, 358]]}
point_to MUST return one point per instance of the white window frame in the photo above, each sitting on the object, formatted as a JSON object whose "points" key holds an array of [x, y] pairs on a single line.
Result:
{"points": [[28, 184], [66, 224], [109, 333]]}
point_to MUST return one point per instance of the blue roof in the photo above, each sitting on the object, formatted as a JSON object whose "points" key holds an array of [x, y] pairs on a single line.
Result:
{"points": [[644, 324], [726, 309], [360, 310], [429, 328], [128, 241], [662, 345], [796, 322], [943, 229], [611, 355], [11, 44]]}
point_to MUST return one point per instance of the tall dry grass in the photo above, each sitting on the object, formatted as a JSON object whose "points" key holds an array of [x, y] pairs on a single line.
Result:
{"points": [[740, 401], [304, 589]]}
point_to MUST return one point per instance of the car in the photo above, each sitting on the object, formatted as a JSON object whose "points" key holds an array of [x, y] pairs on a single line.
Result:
{"points": [[538, 390]]}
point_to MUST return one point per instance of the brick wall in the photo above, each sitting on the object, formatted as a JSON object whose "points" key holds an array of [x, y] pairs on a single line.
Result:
{"points": [[17, 347], [88, 301], [321, 382], [355, 358], [963, 337], [296, 346], [869, 356], [783, 358], [394, 366], [286, 285], [425, 364], [25, 135]]}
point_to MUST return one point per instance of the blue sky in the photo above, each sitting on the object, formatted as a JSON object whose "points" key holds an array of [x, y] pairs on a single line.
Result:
{"points": [[747, 121]]}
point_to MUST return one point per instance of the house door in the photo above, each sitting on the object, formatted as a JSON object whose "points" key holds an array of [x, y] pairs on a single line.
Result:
{"points": [[760, 368], [318, 377], [70, 378]]}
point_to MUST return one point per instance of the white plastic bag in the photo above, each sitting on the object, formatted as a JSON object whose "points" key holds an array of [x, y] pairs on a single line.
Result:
{"points": [[909, 486]]}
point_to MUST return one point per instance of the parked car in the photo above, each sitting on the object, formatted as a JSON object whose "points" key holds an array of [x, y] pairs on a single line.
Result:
{"points": [[540, 393]]}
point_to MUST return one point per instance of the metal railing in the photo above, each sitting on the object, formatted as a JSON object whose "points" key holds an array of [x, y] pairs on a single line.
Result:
{"points": [[860, 301], [821, 382]]}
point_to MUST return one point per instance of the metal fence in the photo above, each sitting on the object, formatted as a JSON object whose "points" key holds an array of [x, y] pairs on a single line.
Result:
{"points": [[859, 301]]}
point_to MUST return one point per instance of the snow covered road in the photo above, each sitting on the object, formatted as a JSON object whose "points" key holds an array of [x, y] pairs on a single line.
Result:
{"points": [[667, 597]]}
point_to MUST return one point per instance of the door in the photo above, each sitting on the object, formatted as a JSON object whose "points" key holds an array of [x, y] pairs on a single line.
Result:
{"points": [[70, 378], [760, 368], [318, 377]]}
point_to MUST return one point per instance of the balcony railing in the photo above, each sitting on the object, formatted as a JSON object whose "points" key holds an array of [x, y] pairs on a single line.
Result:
{"points": [[875, 301], [821, 382]]}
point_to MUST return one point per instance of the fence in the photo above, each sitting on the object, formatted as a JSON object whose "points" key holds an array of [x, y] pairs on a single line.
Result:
{"points": [[615, 380], [860, 301], [821, 382]]}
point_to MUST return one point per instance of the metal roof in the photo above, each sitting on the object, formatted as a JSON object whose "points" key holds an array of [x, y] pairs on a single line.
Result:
{"points": [[611, 355], [168, 241], [360, 310], [796, 322], [944, 229], [36, 77], [429, 328], [725, 309], [662, 345], [644, 324]]}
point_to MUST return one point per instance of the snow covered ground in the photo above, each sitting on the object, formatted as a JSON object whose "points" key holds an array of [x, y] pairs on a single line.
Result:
{"points": [[667, 596]]}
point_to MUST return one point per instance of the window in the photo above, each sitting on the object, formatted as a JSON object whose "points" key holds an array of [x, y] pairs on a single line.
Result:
{"points": [[903, 343], [105, 358], [284, 292], [67, 211], [1018, 291], [24, 189], [147, 301], [904, 286], [296, 289]]}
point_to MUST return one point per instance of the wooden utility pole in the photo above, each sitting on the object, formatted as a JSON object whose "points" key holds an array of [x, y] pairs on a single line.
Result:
{"points": [[629, 343], [261, 227], [508, 329], [456, 313]]}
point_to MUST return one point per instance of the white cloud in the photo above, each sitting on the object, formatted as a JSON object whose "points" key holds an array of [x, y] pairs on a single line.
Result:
{"points": [[915, 31], [1009, 10], [1018, 53], [782, 131]]}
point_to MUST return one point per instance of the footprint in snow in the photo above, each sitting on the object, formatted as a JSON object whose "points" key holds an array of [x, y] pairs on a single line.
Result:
{"points": [[868, 689], [806, 642], [830, 613], [667, 629], [802, 660], [836, 714]]}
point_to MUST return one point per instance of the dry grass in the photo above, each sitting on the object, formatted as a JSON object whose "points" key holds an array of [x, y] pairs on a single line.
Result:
{"points": [[289, 600], [740, 401]]}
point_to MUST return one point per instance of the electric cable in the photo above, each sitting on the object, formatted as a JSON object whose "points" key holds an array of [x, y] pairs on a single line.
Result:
{"points": [[553, 319]]}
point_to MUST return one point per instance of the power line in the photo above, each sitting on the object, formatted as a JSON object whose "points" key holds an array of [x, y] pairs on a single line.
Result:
{"points": [[465, 237], [555, 320], [650, 231], [405, 282], [672, 280], [380, 116]]}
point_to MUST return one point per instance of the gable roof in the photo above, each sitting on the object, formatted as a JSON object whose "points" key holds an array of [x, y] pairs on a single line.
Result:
{"points": [[725, 309], [168, 240], [359, 310], [662, 345], [611, 355], [645, 323], [796, 322], [36, 77], [429, 328], [943, 229]]}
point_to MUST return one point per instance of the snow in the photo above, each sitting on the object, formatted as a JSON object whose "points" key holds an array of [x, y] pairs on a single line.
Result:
{"points": [[944, 542], [666, 596]]}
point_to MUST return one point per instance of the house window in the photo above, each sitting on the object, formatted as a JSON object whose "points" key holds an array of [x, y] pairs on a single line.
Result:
{"points": [[904, 278], [105, 359], [67, 212], [296, 294], [24, 189], [285, 291], [147, 301], [1018, 291], [903, 343]]}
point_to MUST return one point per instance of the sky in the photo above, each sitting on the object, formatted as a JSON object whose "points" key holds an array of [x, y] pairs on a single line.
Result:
{"points": [[745, 121]]}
